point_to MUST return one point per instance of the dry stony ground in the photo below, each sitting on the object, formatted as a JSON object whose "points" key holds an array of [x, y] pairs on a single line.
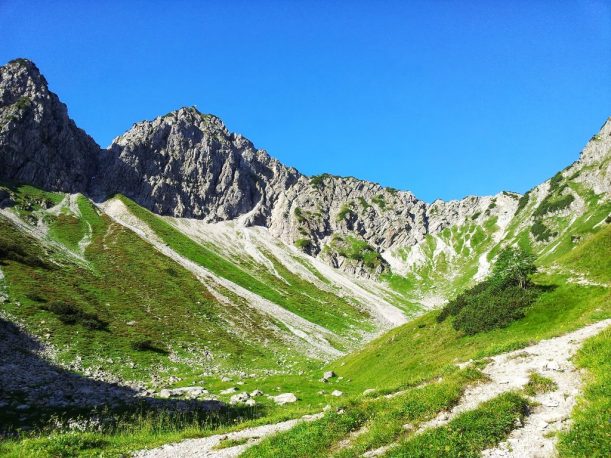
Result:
{"points": [[508, 371]]}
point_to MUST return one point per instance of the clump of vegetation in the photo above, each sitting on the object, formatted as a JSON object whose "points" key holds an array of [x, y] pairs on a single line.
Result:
{"points": [[523, 202], [19, 61], [475, 216], [318, 180], [470, 432], [379, 201], [149, 345], [303, 244], [541, 232], [538, 384], [71, 314], [364, 203], [11, 251], [357, 249], [393, 191], [299, 215], [345, 211], [550, 205], [22, 102], [497, 301]]}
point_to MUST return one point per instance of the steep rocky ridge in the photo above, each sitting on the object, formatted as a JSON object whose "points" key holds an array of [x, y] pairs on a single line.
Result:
{"points": [[39, 143], [187, 164]]}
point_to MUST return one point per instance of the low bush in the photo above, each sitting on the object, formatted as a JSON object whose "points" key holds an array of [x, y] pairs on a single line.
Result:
{"points": [[523, 202], [148, 345], [379, 201], [550, 205], [71, 314], [541, 232], [497, 301], [303, 244], [344, 212]]}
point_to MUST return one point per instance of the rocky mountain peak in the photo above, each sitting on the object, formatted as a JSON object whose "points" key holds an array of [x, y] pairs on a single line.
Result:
{"points": [[21, 78], [39, 143]]}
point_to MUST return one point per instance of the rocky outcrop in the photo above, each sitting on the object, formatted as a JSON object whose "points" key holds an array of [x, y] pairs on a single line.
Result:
{"points": [[39, 144]]}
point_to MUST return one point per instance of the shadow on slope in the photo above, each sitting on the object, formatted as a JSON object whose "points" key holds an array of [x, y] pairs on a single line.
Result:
{"points": [[34, 394]]}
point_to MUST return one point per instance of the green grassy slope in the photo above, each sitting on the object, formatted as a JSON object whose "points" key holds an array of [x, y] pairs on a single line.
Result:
{"points": [[141, 294], [291, 292]]}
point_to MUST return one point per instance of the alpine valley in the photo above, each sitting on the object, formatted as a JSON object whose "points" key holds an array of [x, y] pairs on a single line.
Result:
{"points": [[183, 287]]}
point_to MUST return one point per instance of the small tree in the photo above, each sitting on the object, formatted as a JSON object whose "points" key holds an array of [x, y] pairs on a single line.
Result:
{"points": [[514, 265]]}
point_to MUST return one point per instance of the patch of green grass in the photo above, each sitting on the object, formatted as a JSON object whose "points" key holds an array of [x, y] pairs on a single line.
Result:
{"points": [[309, 440], [422, 348], [344, 212], [387, 416], [303, 244], [356, 249], [299, 215], [379, 201], [589, 435], [538, 384], [592, 256], [128, 289], [298, 296], [228, 443], [469, 433]]}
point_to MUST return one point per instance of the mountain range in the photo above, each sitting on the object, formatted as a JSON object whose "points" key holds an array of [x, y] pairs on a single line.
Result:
{"points": [[183, 255]]}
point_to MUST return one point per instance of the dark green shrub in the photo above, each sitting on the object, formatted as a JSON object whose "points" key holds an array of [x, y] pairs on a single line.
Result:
{"points": [[497, 301], [494, 308], [541, 232], [71, 314], [148, 345], [303, 244], [299, 215], [523, 202], [550, 205], [319, 180], [344, 211], [379, 201]]}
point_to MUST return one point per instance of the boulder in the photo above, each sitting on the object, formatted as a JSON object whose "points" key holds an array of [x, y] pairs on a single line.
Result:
{"points": [[239, 398], [337, 393], [284, 398], [233, 389]]}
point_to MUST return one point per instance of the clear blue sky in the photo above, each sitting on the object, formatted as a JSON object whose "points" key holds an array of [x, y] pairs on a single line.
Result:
{"points": [[442, 98]]}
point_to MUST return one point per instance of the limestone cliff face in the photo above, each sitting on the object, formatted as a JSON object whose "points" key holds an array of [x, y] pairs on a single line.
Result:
{"points": [[187, 164], [39, 144]]}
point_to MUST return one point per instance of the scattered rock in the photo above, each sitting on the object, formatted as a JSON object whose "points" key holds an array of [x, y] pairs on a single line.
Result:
{"points": [[284, 398], [189, 392], [233, 389], [337, 393], [328, 375], [552, 366], [239, 398], [368, 391], [256, 393]]}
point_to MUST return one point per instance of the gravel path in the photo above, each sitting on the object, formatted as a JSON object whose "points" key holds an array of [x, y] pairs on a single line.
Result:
{"points": [[206, 447], [511, 371]]}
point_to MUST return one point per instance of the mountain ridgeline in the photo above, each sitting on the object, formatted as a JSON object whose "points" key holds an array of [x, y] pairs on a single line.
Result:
{"points": [[187, 164]]}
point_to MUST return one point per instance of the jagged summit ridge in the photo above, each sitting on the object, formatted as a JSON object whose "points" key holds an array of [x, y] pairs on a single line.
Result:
{"points": [[39, 143], [188, 164]]}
